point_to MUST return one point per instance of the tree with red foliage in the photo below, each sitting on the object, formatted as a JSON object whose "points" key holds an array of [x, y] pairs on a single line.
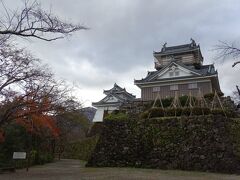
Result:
{"points": [[35, 118]]}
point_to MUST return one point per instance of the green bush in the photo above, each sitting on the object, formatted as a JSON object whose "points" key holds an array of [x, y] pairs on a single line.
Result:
{"points": [[197, 111], [173, 111], [118, 111], [206, 111], [228, 113], [116, 117], [156, 112], [231, 113], [165, 102], [217, 112], [153, 112], [42, 158], [186, 111], [183, 100], [144, 115], [210, 96]]}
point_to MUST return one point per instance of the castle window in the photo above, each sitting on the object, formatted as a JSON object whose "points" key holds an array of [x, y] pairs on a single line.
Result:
{"points": [[156, 89], [176, 73], [192, 86], [174, 87]]}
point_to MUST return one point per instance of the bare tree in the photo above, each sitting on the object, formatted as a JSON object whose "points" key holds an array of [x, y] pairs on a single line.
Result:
{"points": [[17, 68], [228, 50], [32, 21]]}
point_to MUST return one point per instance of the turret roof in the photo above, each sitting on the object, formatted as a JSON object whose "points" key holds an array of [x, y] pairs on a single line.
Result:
{"points": [[178, 49]]}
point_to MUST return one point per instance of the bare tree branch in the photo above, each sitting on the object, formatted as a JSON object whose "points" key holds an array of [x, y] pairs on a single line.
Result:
{"points": [[225, 50], [234, 64], [34, 22]]}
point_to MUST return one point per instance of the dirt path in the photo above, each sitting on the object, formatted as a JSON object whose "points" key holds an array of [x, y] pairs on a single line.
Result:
{"points": [[74, 169]]}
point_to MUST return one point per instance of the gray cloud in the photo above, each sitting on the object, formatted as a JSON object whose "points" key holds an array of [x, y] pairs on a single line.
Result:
{"points": [[123, 34]]}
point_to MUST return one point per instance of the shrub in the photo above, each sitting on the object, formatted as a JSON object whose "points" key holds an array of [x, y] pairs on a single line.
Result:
{"points": [[115, 112], [217, 112], [210, 96], [116, 117], [168, 112], [165, 102], [183, 100], [186, 111], [42, 158], [206, 111], [153, 112], [173, 111], [197, 111], [156, 112], [178, 111], [118, 111], [144, 115], [231, 113], [228, 113]]}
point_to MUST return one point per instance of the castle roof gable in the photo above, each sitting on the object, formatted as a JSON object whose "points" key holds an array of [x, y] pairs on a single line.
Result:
{"points": [[185, 71], [115, 95]]}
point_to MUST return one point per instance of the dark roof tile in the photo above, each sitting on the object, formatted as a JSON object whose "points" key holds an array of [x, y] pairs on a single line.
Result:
{"points": [[203, 70]]}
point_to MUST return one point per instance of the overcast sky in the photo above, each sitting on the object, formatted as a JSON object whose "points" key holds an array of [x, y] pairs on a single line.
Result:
{"points": [[123, 34]]}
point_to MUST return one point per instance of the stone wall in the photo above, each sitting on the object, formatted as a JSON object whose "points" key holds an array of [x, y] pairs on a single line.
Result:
{"points": [[203, 143]]}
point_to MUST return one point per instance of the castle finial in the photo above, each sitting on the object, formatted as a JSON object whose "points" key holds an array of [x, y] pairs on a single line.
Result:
{"points": [[164, 46], [193, 43]]}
